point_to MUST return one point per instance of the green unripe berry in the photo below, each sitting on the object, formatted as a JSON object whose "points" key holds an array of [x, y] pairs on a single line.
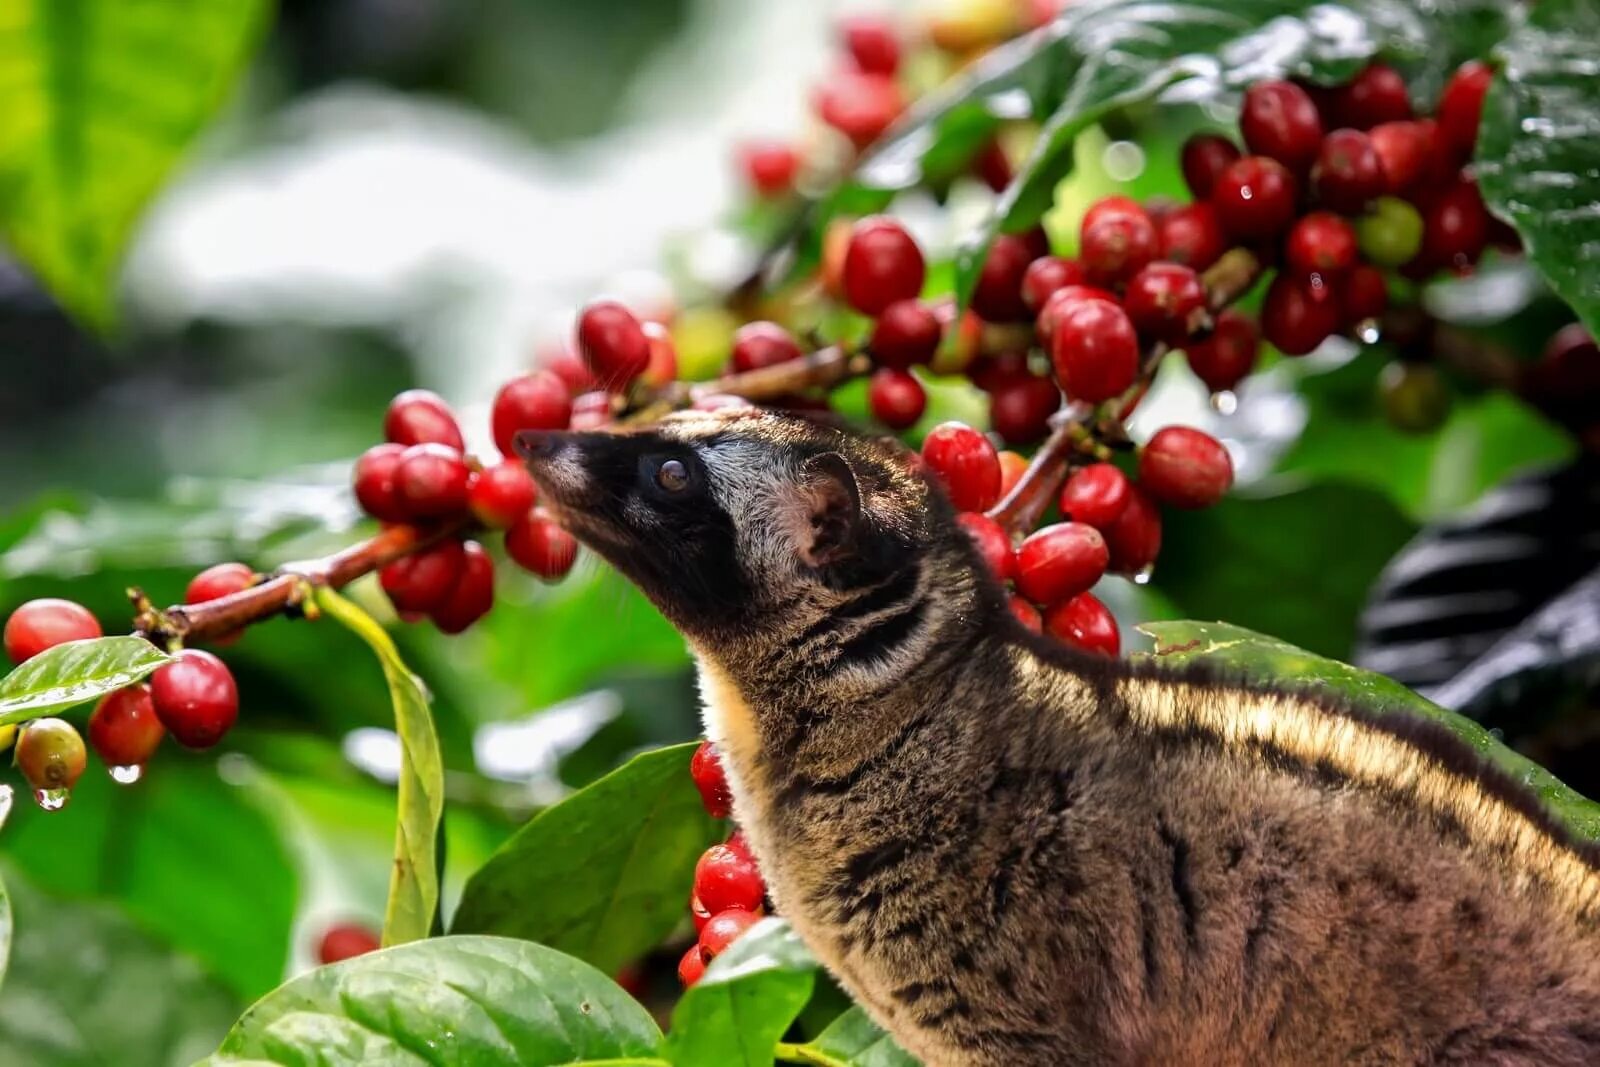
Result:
{"points": [[1415, 397], [1391, 234], [50, 754]]}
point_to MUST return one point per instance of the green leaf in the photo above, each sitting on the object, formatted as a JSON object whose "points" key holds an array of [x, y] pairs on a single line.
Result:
{"points": [[102, 97], [736, 1014], [854, 1040], [414, 882], [1262, 658], [1282, 563], [483, 1001], [87, 988], [605, 874], [1538, 158], [75, 673]]}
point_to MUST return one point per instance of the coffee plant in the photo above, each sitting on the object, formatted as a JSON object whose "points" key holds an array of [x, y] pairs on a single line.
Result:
{"points": [[1388, 208]]}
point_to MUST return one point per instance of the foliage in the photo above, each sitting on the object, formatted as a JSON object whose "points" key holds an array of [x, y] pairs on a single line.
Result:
{"points": [[75, 673]]}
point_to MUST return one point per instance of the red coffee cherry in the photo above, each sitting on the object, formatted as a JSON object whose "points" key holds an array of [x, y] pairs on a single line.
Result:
{"points": [[220, 580], [590, 411], [1298, 314], [723, 929], [1255, 198], [966, 463], [769, 166], [1084, 622], [539, 545], [1020, 410], [1185, 468], [1402, 149], [1565, 380], [692, 967], [1047, 274], [500, 495], [1280, 120], [45, 623], [1095, 351], [195, 697], [343, 941], [1012, 467], [1191, 235], [997, 294], [663, 367], [375, 482], [1378, 94], [430, 481], [700, 916], [872, 43], [859, 105], [423, 580], [1026, 614], [537, 401], [124, 729], [612, 343], [1348, 174], [1461, 109], [1163, 299], [473, 595], [763, 344], [896, 398], [1117, 244], [728, 878], [705, 767], [906, 334], [1204, 157], [1060, 561], [418, 417], [1134, 540], [1095, 495], [1063, 300], [1455, 227], [1363, 294], [999, 370], [992, 543], [1321, 243], [561, 359], [1222, 360], [50, 754], [881, 265]]}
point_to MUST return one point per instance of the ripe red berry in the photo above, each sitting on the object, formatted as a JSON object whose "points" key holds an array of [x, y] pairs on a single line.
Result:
{"points": [[723, 929], [705, 767], [1461, 109], [1204, 157], [375, 482], [1348, 174], [1565, 379], [45, 623], [430, 481], [419, 416], [966, 463], [1455, 227], [1363, 294], [590, 411], [872, 43], [1185, 467], [906, 333], [1255, 198], [728, 878], [992, 543], [999, 370], [1191, 235], [1026, 614], [997, 294], [1134, 540], [50, 754], [769, 166], [859, 105], [692, 966], [500, 495], [1095, 351], [663, 367], [1378, 94], [1060, 561], [1047, 274], [1012, 467], [1020, 410], [473, 595], [1095, 495], [1084, 622], [1222, 360], [195, 698], [881, 265], [124, 729], [220, 580], [1321, 243], [423, 580], [896, 398], [561, 359], [1298, 314], [1163, 299], [343, 941], [537, 401], [1280, 120], [539, 545], [1107, 207], [1116, 245], [698, 913], [1402, 149], [612, 343], [1063, 300], [763, 344]]}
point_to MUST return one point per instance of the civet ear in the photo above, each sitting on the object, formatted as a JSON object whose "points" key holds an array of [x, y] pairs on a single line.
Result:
{"points": [[833, 502]]}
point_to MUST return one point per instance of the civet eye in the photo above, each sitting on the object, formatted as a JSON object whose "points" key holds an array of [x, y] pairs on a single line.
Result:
{"points": [[672, 475]]}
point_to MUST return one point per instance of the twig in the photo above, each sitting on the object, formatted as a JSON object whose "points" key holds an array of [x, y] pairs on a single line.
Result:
{"points": [[824, 367]]}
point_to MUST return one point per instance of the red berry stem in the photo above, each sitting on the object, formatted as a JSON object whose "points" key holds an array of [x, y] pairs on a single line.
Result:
{"points": [[820, 369]]}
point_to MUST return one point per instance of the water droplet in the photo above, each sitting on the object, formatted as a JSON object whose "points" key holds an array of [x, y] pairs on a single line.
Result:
{"points": [[1143, 577], [51, 799], [1224, 402], [7, 795], [127, 775], [1368, 331]]}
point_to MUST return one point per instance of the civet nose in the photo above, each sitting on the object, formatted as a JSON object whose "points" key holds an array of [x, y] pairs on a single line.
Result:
{"points": [[537, 444]]}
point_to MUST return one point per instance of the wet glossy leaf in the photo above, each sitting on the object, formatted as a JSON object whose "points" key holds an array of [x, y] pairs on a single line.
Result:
{"points": [[854, 1040], [605, 874], [75, 673], [485, 1001], [736, 1014]]}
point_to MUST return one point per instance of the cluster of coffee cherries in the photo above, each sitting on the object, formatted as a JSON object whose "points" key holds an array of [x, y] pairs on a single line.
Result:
{"points": [[729, 893]]}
